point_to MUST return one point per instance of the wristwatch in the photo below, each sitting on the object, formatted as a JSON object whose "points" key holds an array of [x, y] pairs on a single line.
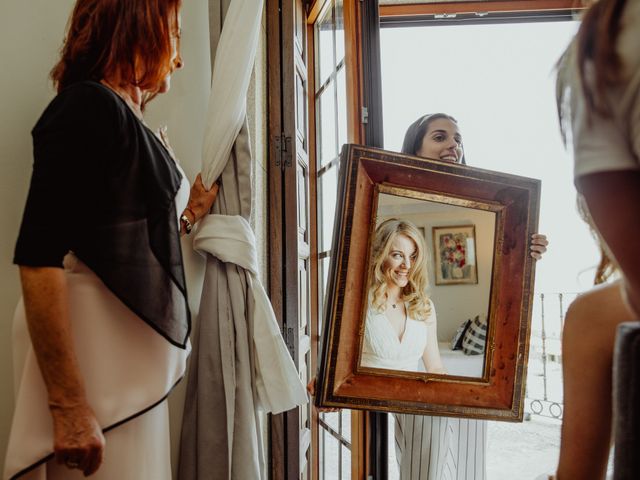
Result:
{"points": [[187, 224]]}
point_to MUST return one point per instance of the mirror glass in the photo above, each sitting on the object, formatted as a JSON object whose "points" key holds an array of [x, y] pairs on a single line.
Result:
{"points": [[460, 243]]}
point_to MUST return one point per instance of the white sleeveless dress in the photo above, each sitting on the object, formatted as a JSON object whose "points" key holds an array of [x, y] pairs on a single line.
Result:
{"points": [[128, 370], [383, 349], [427, 448]]}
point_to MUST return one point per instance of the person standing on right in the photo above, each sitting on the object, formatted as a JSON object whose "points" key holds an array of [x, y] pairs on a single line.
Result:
{"points": [[599, 102]]}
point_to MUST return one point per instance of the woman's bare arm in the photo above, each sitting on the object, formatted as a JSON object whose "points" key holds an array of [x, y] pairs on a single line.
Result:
{"points": [[613, 199], [77, 435], [431, 355]]}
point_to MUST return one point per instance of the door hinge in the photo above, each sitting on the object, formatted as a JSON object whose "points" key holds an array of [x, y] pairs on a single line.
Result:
{"points": [[289, 339], [283, 151], [364, 115]]}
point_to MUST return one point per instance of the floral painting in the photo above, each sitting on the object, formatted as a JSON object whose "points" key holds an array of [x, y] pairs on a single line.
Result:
{"points": [[455, 255]]}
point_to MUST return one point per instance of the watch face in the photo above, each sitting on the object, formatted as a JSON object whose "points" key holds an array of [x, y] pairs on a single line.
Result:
{"points": [[187, 224]]}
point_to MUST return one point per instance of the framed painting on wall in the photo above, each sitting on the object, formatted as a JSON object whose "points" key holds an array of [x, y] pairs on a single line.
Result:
{"points": [[454, 249]]}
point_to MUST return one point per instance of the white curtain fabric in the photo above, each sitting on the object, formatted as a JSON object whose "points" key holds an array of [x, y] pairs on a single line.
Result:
{"points": [[240, 365], [230, 239], [234, 58]]}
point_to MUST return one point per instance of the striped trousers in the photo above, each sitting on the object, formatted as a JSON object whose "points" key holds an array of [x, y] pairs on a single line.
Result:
{"points": [[440, 448]]}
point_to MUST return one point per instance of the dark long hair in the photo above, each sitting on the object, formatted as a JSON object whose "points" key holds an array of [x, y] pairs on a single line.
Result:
{"points": [[594, 48], [418, 129], [118, 39], [595, 45]]}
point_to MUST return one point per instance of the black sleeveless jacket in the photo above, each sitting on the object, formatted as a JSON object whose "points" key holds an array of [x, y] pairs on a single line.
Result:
{"points": [[103, 186]]}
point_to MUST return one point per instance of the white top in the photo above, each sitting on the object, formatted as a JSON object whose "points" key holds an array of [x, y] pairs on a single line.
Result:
{"points": [[603, 145], [383, 349]]}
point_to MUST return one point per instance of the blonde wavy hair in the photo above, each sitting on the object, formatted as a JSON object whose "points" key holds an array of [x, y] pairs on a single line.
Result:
{"points": [[414, 294]]}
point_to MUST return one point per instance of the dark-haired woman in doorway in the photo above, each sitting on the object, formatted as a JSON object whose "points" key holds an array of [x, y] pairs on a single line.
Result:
{"points": [[438, 448]]}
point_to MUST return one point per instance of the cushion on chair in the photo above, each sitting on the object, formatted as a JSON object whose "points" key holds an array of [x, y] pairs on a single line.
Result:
{"points": [[475, 338], [456, 341]]}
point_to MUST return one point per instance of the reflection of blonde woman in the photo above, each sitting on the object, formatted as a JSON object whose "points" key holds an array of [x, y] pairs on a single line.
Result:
{"points": [[400, 329], [400, 334]]}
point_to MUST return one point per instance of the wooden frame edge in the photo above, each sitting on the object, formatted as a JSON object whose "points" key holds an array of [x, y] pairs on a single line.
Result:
{"points": [[450, 8], [501, 398]]}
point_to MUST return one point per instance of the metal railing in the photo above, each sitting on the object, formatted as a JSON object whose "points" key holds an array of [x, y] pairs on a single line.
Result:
{"points": [[544, 373]]}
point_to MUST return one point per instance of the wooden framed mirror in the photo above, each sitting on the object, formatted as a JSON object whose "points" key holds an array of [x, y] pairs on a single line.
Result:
{"points": [[470, 224]]}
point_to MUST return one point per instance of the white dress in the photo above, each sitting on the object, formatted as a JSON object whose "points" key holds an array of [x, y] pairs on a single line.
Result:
{"points": [[383, 349], [427, 448], [128, 370]]}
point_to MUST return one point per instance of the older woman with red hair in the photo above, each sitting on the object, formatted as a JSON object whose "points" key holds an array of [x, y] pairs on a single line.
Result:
{"points": [[105, 303]]}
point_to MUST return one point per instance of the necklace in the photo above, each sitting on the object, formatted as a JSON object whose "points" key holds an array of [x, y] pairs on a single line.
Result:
{"points": [[394, 304]]}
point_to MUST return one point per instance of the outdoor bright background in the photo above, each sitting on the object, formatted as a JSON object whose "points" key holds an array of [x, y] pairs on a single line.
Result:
{"points": [[498, 81]]}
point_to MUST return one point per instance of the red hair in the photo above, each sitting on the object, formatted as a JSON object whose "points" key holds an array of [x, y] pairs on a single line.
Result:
{"points": [[125, 41]]}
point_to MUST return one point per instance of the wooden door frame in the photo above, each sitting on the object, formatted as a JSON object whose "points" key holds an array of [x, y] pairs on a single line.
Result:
{"points": [[284, 462], [462, 7], [355, 134], [277, 423], [362, 70], [376, 433]]}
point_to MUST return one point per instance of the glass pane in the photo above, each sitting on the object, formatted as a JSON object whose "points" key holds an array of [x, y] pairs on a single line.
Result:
{"points": [[324, 48], [302, 190], [326, 121], [394, 473], [342, 108], [331, 460], [322, 291], [325, 276], [346, 463], [327, 205], [321, 457], [332, 419], [517, 56], [339, 32], [346, 424]]}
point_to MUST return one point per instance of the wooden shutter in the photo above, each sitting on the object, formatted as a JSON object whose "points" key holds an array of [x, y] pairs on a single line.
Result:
{"points": [[289, 218]]}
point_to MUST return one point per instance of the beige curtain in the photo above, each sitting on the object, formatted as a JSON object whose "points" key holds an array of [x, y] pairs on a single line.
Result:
{"points": [[240, 365]]}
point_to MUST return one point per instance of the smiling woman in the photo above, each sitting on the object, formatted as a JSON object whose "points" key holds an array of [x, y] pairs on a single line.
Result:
{"points": [[435, 136], [400, 328]]}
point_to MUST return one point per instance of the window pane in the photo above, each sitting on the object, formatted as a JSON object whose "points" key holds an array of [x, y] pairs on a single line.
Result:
{"points": [[321, 456], [324, 48], [332, 419], [339, 32], [326, 135], [488, 67], [327, 204], [342, 108], [331, 461], [346, 463], [346, 424], [322, 287]]}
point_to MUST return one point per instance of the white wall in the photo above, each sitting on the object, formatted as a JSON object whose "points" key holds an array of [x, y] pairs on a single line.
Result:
{"points": [[31, 33], [456, 303]]}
